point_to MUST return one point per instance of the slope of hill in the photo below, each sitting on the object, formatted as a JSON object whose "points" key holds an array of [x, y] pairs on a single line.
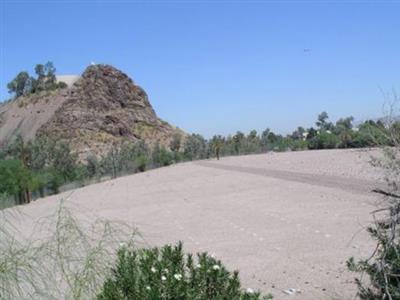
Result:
{"points": [[103, 107]]}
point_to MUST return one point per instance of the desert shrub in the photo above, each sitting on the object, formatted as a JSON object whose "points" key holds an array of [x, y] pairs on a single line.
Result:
{"points": [[62, 85], [161, 157], [16, 179], [383, 266], [324, 140], [70, 259], [167, 273], [141, 162], [195, 147], [92, 166]]}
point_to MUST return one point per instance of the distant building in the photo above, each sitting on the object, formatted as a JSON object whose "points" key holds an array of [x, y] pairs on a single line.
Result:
{"points": [[68, 79]]}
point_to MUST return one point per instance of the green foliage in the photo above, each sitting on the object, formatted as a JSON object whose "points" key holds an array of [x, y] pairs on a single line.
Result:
{"points": [[176, 141], [161, 157], [92, 166], [383, 266], [62, 85], [168, 273], [322, 122], [371, 134], [141, 162], [195, 147], [67, 260], [324, 140], [16, 179], [383, 271], [24, 84], [20, 85]]}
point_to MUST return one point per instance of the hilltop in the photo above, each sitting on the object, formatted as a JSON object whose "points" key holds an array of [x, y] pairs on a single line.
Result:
{"points": [[100, 108]]}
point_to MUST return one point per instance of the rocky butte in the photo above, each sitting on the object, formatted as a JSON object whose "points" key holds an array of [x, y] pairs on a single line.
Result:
{"points": [[102, 108]]}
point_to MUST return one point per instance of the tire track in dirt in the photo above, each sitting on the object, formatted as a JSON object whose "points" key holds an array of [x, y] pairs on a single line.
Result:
{"points": [[352, 185]]}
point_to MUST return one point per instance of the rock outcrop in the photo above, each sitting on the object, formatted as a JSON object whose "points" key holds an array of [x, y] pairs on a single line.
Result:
{"points": [[103, 107]]}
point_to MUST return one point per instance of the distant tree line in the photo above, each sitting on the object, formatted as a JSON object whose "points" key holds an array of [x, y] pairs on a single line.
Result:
{"points": [[41, 166], [45, 80]]}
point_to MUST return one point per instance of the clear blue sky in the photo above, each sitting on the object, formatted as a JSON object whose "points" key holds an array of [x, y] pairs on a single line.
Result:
{"points": [[220, 67]]}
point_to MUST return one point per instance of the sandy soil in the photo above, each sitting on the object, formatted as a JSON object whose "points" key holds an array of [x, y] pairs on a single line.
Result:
{"points": [[285, 220]]}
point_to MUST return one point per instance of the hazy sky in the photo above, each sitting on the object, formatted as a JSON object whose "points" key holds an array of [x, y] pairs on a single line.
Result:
{"points": [[220, 66]]}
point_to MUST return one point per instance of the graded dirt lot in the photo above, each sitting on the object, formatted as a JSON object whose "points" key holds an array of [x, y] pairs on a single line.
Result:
{"points": [[285, 220]]}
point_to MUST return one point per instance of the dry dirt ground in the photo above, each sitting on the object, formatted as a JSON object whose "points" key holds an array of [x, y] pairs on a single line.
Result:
{"points": [[285, 220]]}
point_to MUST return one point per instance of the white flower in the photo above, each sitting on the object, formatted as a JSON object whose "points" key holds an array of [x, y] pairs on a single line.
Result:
{"points": [[163, 278], [249, 291], [178, 276], [153, 269], [166, 271], [148, 288], [216, 267], [122, 244], [198, 266]]}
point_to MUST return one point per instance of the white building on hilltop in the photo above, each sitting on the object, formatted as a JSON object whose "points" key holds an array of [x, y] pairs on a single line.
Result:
{"points": [[68, 79]]}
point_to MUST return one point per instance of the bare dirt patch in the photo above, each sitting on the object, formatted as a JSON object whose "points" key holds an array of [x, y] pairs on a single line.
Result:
{"points": [[288, 220]]}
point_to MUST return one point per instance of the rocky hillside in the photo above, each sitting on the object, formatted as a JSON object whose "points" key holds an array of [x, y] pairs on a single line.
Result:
{"points": [[102, 108]]}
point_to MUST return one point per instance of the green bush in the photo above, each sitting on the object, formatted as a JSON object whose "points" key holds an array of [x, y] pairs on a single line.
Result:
{"points": [[168, 273], [141, 163], [383, 265], [324, 140], [62, 85]]}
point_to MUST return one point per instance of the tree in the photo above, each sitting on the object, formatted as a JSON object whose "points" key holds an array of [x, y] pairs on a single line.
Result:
{"points": [[195, 147], [63, 161], [238, 140], [343, 130], [216, 144], [50, 76], [264, 140], [20, 85], [322, 122], [298, 134], [324, 140], [161, 157], [175, 143], [92, 166], [24, 84], [17, 180], [252, 142]]}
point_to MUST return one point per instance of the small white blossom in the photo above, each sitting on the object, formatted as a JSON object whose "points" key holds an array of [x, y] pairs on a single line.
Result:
{"points": [[163, 278], [166, 271], [216, 267], [178, 276], [198, 266], [148, 288], [249, 291], [153, 269], [122, 244]]}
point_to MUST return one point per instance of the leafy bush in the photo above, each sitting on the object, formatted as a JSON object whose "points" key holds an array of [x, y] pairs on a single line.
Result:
{"points": [[141, 163], [62, 85], [168, 273], [16, 179], [324, 140], [383, 267], [161, 157]]}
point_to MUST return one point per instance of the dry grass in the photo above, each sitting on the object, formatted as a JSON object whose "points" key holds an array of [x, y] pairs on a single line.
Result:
{"points": [[69, 261]]}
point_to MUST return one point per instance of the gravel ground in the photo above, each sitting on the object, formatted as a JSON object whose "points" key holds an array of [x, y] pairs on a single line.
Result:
{"points": [[285, 220]]}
